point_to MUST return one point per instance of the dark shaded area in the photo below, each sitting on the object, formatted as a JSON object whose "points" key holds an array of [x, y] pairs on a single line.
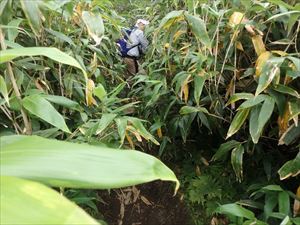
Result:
{"points": [[148, 204]]}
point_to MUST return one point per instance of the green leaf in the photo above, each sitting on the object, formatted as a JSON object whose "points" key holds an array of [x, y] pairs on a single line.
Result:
{"points": [[270, 69], [198, 28], [33, 15], [52, 53], [253, 124], [290, 135], [265, 112], [237, 122], [239, 96], [28, 202], [63, 101], [105, 120], [100, 92], [169, 16], [281, 3], [296, 61], [13, 31], [137, 123], [61, 36], [258, 121], [272, 188], [284, 203], [237, 161], [41, 108], [95, 26], [284, 14], [286, 221], [286, 90], [271, 200], [252, 102], [199, 82], [235, 210], [224, 149], [64, 164], [290, 168], [189, 109], [3, 89], [121, 124]]}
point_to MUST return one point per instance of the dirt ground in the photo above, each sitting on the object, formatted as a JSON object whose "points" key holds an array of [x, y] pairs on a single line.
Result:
{"points": [[147, 204]]}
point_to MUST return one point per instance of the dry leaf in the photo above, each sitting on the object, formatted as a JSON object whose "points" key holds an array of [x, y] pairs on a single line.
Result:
{"points": [[297, 204], [145, 200], [236, 18]]}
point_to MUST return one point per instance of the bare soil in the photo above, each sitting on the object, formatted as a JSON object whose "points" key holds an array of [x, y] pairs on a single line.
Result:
{"points": [[148, 204]]}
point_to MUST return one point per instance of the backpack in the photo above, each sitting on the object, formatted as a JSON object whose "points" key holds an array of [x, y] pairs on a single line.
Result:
{"points": [[122, 42]]}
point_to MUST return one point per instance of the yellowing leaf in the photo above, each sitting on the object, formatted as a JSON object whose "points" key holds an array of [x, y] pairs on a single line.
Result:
{"points": [[185, 89], [167, 45], [159, 132], [258, 44], [178, 34], [297, 204], [283, 121], [281, 53], [260, 62], [134, 132], [129, 140], [236, 18], [89, 93], [239, 46]]}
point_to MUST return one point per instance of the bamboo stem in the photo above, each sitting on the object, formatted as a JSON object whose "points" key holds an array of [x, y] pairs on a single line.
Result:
{"points": [[27, 124]]}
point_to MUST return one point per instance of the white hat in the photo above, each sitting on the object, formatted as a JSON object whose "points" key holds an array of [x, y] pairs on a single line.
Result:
{"points": [[145, 22]]}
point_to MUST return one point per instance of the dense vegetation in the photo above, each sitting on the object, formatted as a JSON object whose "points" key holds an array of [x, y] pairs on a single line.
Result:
{"points": [[217, 99]]}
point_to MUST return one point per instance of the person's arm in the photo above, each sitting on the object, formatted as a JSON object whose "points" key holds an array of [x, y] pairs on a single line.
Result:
{"points": [[143, 41]]}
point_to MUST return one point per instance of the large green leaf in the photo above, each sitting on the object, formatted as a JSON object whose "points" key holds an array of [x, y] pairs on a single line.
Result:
{"points": [[259, 117], [31, 203], [237, 122], [41, 108], [33, 15], [199, 82], [235, 210], [52, 53], [198, 28], [64, 164], [63, 101], [172, 15]]}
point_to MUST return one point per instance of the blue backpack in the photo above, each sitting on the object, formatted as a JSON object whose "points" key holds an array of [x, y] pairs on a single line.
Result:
{"points": [[122, 42]]}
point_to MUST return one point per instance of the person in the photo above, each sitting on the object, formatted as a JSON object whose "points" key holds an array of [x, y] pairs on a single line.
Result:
{"points": [[137, 46]]}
